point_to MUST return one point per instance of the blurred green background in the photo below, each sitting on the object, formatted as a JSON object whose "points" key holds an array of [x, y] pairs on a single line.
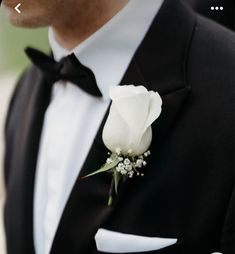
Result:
{"points": [[13, 42]]}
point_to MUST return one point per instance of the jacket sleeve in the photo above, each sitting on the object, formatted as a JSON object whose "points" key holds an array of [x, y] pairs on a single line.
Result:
{"points": [[7, 134], [13, 97]]}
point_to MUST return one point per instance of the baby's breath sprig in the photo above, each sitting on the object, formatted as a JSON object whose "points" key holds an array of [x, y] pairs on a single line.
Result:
{"points": [[121, 166]]}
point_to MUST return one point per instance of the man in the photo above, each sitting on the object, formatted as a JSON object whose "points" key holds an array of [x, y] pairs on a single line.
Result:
{"points": [[184, 202]]}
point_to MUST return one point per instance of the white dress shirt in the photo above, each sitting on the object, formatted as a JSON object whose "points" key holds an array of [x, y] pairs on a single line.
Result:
{"points": [[73, 116]]}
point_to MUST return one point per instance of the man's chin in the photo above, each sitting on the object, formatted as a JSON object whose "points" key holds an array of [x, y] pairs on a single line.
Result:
{"points": [[18, 21], [22, 20], [25, 18]]}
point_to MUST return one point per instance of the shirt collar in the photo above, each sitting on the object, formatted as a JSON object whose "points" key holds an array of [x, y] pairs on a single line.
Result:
{"points": [[110, 49]]}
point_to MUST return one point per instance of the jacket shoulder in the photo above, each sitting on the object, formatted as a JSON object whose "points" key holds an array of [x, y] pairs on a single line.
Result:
{"points": [[212, 49], [211, 60], [21, 92]]}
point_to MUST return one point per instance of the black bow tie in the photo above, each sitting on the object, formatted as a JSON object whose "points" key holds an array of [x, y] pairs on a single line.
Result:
{"points": [[68, 68]]}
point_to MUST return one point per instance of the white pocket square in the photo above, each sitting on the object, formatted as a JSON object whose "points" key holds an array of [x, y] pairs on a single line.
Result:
{"points": [[115, 242]]}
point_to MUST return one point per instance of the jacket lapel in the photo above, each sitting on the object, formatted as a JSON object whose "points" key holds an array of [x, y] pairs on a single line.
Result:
{"points": [[31, 104], [159, 64]]}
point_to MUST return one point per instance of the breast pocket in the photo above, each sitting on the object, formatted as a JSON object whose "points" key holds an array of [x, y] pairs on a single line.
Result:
{"points": [[115, 242]]}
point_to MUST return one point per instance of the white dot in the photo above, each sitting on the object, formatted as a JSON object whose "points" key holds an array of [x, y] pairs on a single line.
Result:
{"points": [[212, 8], [221, 8], [217, 8]]}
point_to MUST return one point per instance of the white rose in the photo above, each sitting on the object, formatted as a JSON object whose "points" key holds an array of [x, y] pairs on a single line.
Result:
{"points": [[128, 126]]}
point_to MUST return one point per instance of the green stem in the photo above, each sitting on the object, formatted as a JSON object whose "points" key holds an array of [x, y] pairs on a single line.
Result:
{"points": [[110, 200]]}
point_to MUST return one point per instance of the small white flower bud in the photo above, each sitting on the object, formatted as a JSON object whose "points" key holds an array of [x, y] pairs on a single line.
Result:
{"points": [[128, 167], [121, 166], [118, 169], [118, 150], [109, 161], [139, 163], [123, 172], [127, 161], [130, 174]]}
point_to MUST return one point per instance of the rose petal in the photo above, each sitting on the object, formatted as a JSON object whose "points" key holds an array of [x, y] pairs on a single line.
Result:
{"points": [[154, 109], [144, 143], [120, 92], [116, 132]]}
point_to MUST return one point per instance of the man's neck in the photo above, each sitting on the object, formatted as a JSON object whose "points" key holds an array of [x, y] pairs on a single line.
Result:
{"points": [[82, 23]]}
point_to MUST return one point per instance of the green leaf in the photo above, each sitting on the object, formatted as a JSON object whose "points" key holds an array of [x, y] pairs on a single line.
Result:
{"points": [[105, 167]]}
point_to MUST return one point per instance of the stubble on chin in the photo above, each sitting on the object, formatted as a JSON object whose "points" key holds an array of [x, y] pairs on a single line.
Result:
{"points": [[27, 23], [28, 18], [40, 13]]}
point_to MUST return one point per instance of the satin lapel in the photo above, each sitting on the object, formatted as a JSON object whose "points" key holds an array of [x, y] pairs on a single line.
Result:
{"points": [[36, 94], [159, 64]]}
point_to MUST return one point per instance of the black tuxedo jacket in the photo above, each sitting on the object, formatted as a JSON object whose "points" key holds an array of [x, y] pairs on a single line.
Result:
{"points": [[187, 189]]}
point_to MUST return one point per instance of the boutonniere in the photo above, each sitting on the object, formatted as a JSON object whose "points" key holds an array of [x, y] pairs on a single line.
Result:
{"points": [[127, 133]]}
